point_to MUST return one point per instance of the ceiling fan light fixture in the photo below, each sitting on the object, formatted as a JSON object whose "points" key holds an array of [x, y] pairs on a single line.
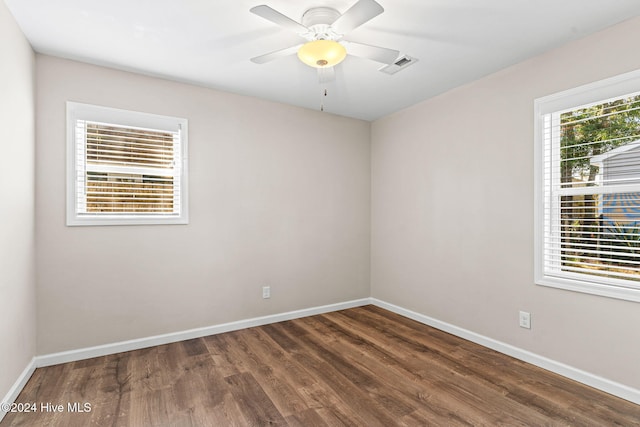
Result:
{"points": [[322, 53]]}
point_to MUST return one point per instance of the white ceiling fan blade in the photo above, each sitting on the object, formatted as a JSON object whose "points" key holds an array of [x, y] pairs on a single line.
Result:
{"points": [[326, 75], [276, 55], [277, 18], [358, 14], [375, 53]]}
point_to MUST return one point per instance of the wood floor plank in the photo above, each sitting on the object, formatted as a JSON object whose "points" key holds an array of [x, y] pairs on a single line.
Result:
{"points": [[514, 376], [402, 383], [254, 403], [275, 366], [349, 385], [474, 394], [352, 354], [308, 417], [194, 347], [359, 367], [269, 368], [221, 355], [479, 378]]}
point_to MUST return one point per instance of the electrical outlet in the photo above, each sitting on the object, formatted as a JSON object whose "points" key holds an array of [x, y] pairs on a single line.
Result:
{"points": [[266, 292], [525, 320]]}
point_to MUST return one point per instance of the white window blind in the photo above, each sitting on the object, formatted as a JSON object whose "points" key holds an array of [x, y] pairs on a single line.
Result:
{"points": [[588, 179], [124, 173]]}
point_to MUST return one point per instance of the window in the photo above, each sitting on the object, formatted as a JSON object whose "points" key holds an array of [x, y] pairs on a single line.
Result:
{"points": [[125, 167], [588, 188]]}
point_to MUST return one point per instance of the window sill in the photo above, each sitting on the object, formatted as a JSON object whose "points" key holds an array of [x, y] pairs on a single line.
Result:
{"points": [[125, 220]]}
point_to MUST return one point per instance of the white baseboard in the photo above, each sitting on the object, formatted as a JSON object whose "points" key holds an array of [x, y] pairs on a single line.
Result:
{"points": [[608, 386], [17, 387], [136, 344], [595, 381]]}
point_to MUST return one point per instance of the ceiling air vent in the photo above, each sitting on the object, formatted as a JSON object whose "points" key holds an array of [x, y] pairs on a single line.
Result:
{"points": [[401, 63]]}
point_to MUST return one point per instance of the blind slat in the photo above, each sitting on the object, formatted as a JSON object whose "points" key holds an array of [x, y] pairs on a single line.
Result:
{"points": [[591, 168], [127, 170]]}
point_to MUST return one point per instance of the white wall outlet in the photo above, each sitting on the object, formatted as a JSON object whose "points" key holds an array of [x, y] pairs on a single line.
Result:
{"points": [[266, 292], [525, 320]]}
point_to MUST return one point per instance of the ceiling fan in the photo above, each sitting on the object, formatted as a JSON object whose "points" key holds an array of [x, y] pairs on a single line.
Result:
{"points": [[324, 28]]}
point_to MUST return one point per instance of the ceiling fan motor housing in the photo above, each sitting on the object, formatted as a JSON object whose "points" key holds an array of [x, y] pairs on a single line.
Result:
{"points": [[319, 20]]}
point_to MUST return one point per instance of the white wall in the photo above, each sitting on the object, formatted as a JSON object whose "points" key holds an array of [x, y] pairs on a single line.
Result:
{"points": [[452, 213], [17, 278], [279, 196]]}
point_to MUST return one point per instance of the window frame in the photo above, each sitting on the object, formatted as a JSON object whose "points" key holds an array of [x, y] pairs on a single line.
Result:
{"points": [[79, 111], [592, 93]]}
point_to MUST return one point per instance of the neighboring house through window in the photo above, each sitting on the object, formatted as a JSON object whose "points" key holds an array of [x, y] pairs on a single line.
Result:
{"points": [[588, 188], [125, 167]]}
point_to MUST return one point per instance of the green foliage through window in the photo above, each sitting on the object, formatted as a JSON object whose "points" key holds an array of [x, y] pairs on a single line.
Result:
{"points": [[599, 229]]}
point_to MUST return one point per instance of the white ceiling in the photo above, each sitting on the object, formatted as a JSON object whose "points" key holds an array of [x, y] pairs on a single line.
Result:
{"points": [[209, 43]]}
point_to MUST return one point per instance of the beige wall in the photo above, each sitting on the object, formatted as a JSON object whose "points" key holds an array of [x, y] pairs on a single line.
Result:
{"points": [[279, 196], [17, 277], [452, 213]]}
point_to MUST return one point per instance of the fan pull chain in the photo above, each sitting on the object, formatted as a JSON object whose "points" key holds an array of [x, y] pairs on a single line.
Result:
{"points": [[324, 94]]}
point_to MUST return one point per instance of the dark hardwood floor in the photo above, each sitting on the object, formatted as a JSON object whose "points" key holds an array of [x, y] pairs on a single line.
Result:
{"points": [[363, 366]]}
